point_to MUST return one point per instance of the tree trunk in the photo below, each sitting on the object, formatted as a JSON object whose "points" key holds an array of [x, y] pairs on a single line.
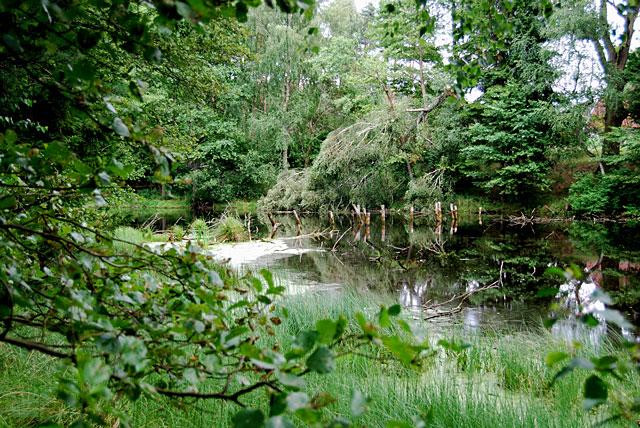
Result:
{"points": [[613, 61], [423, 86], [613, 118]]}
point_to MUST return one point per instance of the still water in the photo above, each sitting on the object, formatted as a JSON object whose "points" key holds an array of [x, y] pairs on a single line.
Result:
{"points": [[427, 268]]}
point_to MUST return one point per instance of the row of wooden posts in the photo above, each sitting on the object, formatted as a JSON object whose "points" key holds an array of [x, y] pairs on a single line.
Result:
{"points": [[362, 217]]}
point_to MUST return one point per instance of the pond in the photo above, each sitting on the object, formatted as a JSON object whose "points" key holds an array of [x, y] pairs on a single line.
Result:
{"points": [[429, 269]]}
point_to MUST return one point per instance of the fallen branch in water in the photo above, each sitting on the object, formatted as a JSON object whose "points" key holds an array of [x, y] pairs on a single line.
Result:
{"points": [[460, 298], [341, 236]]}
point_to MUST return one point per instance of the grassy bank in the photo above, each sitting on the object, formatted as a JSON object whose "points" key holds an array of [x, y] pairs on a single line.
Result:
{"points": [[497, 382], [237, 207]]}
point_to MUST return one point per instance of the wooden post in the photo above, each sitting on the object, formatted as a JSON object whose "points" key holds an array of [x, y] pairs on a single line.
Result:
{"points": [[438, 212], [411, 219], [298, 222], [274, 226], [382, 214], [249, 225], [356, 232], [454, 218]]}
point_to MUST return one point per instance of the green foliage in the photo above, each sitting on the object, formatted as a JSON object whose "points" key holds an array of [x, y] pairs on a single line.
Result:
{"points": [[614, 367], [200, 230], [616, 190], [177, 232], [126, 321], [229, 228], [591, 194], [509, 140]]}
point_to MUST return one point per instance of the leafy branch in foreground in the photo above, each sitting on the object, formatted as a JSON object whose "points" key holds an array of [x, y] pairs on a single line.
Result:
{"points": [[605, 370], [172, 323]]}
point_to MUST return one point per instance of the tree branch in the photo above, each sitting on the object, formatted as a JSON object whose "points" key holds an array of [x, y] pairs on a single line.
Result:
{"points": [[216, 395], [34, 346]]}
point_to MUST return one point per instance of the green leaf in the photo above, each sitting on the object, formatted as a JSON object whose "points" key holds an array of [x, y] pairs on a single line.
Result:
{"points": [[277, 403], [549, 322], [326, 330], [554, 271], [595, 392], [606, 363], [383, 318], [8, 201], [241, 11], [305, 341], [394, 310], [10, 136], [248, 418], [290, 380], [589, 320], [555, 357], [400, 349], [321, 360], [268, 276]]}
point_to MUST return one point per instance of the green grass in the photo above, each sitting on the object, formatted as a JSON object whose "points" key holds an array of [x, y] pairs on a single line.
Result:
{"points": [[132, 235], [229, 228], [237, 207], [501, 381], [137, 207], [200, 231]]}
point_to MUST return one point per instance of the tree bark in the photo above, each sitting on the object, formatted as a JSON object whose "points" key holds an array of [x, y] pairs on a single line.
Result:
{"points": [[613, 61]]}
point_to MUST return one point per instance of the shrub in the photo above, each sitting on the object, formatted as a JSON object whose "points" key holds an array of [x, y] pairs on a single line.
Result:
{"points": [[590, 194], [617, 190]]}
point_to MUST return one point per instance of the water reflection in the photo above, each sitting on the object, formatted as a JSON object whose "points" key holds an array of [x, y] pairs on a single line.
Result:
{"points": [[423, 265]]}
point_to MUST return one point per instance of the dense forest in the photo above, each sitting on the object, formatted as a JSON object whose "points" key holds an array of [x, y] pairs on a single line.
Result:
{"points": [[301, 106]]}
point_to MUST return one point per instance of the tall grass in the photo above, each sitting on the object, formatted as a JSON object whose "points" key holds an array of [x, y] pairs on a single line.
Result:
{"points": [[126, 238], [200, 231], [229, 228], [501, 381]]}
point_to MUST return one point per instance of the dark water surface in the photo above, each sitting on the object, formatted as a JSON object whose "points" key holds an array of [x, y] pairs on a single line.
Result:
{"points": [[422, 265]]}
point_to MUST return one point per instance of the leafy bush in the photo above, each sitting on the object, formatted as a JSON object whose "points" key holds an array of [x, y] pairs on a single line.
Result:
{"points": [[591, 194], [617, 190]]}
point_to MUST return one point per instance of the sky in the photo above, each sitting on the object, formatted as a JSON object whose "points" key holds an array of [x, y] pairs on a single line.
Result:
{"points": [[360, 4]]}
